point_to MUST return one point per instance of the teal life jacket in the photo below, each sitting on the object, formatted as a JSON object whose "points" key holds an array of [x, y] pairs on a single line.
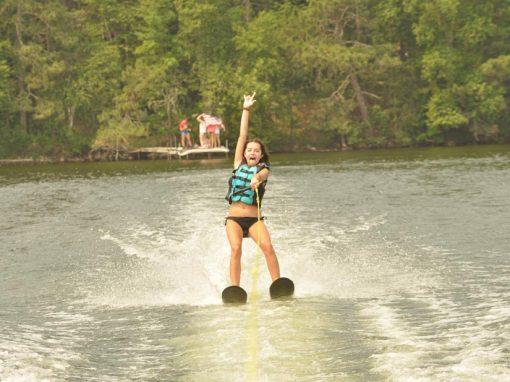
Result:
{"points": [[239, 184]]}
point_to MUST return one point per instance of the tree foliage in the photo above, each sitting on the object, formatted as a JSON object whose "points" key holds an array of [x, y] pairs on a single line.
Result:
{"points": [[78, 74]]}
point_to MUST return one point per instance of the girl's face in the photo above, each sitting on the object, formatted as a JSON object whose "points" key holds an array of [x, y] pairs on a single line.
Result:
{"points": [[253, 153]]}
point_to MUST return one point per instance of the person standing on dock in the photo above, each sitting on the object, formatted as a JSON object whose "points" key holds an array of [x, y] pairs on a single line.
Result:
{"points": [[202, 129], [217, 129], [185, 133], [211, 136], [213, 124]]}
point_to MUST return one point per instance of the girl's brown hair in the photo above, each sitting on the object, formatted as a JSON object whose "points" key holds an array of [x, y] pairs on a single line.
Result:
{"points": [[264, 157]]}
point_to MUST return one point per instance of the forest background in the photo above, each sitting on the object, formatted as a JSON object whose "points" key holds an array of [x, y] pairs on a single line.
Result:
{"points": [[329, 74]]}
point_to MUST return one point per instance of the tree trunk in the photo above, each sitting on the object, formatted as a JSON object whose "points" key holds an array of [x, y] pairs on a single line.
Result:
{"points": [[360, 98], [247, 10], [21, 73], [343, 142], [71, 110], [402, 51], [291, 127], [117, 148], [357, 21]]}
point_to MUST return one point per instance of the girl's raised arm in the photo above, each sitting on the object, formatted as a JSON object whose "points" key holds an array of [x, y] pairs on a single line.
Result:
{"points": [[249, 100]]}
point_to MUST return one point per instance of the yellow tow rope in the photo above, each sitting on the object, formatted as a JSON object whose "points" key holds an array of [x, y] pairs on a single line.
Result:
{"points": [[253, 326]]}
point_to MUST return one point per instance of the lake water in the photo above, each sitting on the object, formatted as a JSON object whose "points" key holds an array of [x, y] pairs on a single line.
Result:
{"points": [[401, 259]]}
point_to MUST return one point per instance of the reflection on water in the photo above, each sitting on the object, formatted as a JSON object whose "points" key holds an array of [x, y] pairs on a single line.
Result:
{"points": [[113, 271], [382, 158]]}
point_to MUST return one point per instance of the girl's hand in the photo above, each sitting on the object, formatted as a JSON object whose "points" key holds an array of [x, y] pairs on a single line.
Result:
{"points": [[249, 100], [254, 183]]}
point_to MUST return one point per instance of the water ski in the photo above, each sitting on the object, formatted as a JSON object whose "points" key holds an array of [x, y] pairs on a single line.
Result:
{"points": [[282, 287], [234, 295]]}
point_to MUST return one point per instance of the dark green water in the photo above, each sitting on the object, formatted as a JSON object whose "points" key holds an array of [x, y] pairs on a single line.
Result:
{"points": [[41, 172]]}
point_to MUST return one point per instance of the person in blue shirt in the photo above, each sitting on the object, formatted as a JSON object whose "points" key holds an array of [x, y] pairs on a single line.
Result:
{"points": [[251, 170]]}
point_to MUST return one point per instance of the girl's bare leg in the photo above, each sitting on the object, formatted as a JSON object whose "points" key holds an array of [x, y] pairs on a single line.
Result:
{"points": [[267, 248], [235, 238]]}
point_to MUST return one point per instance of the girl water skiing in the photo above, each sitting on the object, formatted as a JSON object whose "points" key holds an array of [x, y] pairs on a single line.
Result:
{"points": [[251, 170]]}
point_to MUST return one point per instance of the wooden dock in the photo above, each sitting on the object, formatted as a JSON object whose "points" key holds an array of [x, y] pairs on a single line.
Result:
{"points": [[178, 152]]}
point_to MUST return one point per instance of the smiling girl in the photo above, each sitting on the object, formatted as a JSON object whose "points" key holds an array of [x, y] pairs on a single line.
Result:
{"points": [[251, 170]]}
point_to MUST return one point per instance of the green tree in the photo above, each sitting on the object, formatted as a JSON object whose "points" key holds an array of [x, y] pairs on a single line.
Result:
{"points": [[457, 37]]}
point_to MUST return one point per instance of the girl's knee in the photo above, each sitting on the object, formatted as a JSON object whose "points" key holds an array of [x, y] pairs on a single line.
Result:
{"points": [[267, 248], [236, 252]]}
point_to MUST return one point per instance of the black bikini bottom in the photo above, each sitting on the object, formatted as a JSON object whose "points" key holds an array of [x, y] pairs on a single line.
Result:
{"points": [[244, 222]]}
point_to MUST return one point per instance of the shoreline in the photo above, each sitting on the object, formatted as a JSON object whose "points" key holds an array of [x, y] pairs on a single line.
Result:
{"points": [[49, 160]]}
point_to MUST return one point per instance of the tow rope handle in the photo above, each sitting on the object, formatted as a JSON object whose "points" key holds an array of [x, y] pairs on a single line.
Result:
{"points": [[241, 190]]}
